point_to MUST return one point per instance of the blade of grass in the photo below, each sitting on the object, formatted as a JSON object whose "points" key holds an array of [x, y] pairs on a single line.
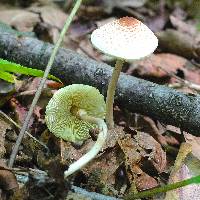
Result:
{"points": [[17, 68], [165, 188], [7, 76], [38, 93]]}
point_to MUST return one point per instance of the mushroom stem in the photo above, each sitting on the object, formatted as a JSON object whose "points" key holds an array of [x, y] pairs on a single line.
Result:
{"points": [[95, 149], [111, 93]]}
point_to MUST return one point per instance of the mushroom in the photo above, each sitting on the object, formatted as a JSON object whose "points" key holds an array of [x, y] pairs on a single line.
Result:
{"points": [[71, 113], [125, 39]]}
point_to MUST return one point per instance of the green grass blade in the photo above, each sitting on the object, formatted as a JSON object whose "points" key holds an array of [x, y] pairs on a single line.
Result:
{"points": [[7, 76], [165, 188], [17, 68]]}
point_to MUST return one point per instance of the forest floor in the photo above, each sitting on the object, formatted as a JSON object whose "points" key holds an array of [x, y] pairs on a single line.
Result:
{"points": [[140, 152]]}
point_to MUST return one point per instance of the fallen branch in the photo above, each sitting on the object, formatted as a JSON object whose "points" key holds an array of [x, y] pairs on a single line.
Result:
{"points": [[137, 95]]}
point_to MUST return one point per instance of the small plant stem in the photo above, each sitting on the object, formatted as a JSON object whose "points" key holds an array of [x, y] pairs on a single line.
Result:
{"points": [[95, 149], [111, 93], [173, 186], [39, 90]]}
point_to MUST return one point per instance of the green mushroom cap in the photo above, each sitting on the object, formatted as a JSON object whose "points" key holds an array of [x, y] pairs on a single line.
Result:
{"points": [[61, 118]]}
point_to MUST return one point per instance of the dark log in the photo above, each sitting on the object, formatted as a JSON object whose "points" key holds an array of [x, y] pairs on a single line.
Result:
{"points": [[137, 95]]}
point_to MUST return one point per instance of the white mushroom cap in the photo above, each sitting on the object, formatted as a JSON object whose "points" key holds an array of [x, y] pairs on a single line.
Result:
{"points": [[61, 111], [125, 38]]}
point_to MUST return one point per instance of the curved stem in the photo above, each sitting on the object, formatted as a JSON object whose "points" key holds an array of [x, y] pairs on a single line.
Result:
{"points": [[95, 149], [111, 93], [41, 85]]}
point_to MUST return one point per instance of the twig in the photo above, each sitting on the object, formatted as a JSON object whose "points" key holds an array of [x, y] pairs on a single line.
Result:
{"points": [[19, 127], [160, 138], [83, 49], [184, 150], [41, 85], [185, 82], [92, 195]]}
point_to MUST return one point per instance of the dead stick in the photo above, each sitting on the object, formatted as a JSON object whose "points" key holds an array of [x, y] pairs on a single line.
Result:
{"points": [[137, 95]]}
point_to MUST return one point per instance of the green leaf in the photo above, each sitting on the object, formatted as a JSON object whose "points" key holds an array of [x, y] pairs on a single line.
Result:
{"points": [[7, 76], [17, 68]]}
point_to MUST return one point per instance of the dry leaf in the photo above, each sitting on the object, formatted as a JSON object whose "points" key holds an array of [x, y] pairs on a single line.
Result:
{"points": [[53, 19], [130, 150], [113, 136], [138, 149], [22, 20], [156, 156], [144, 181], [4, 126], [143, 146], [151, 68], [101, 170], [7, 178], [183, 26], [20, 111]]}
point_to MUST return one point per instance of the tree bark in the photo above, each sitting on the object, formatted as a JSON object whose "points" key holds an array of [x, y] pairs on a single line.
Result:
{"points": [[137, 95]]}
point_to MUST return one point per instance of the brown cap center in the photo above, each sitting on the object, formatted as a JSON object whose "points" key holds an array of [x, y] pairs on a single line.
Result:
{"points": [[128, 21]]}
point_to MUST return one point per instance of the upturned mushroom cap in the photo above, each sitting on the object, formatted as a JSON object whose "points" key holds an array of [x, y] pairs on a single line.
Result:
{"points": [[125, 38], [61, 111]]}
